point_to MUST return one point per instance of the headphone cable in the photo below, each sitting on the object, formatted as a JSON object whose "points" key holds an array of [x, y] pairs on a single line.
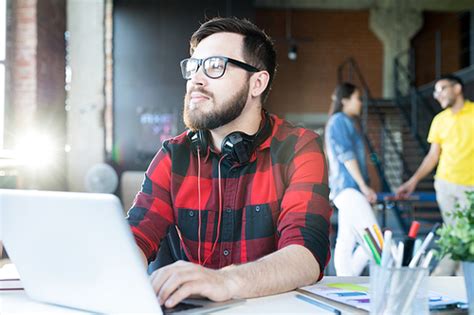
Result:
{"points": [[199, 205], [220, 210]]}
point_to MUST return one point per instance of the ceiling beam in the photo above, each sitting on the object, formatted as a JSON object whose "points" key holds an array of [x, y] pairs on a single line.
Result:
{"points": [[423, 5]]}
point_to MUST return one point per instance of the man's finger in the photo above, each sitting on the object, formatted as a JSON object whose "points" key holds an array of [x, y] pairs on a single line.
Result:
{"points": [[160, 276], [175, 281], [184, 291]]}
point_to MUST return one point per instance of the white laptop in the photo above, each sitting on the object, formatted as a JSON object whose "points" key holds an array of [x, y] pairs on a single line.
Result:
{"points": [[77, 250]]}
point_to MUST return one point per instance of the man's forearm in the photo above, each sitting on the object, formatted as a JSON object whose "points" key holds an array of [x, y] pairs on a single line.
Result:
{"points": [[428, 164], [284, 270]]}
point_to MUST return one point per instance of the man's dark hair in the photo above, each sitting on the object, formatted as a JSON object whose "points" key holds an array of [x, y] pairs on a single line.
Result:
{"points": [[453, 79], [258, 47]]}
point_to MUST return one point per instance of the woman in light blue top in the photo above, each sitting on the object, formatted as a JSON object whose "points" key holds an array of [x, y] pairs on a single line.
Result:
{"points": [[348, 179]]}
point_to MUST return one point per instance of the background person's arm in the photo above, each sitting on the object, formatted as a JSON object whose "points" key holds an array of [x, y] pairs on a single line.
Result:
{"points": [[429, 163], [353, 167], [339, 138]]}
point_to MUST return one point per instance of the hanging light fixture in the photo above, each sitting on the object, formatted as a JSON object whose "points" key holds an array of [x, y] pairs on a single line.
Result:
{"points": [[293, 52], [292, 47]]}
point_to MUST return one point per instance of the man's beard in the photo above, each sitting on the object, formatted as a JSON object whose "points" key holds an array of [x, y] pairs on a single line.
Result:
{"points": [[220, 114], [450, 101]]}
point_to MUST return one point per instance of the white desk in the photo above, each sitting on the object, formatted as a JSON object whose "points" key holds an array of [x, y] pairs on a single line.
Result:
{"points": [[17, 302], [288, 303]]}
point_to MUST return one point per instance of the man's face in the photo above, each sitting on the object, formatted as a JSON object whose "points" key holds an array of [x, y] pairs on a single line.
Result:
{"points": [[212, 103], [446, 93]]}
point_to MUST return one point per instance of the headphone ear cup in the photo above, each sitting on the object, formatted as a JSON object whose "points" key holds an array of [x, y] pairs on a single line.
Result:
{"points": [[238, 147], [198, 140]]}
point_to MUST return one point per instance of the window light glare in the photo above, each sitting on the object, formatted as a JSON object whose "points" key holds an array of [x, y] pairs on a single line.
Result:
{"points": [[35, 150]]}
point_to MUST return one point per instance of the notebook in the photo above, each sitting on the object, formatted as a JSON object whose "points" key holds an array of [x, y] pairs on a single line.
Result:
{"points": [[77, 250]]}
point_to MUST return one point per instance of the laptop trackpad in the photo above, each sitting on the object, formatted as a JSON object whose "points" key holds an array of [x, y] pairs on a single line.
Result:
{"points": [[200, 305], [181, 307]]}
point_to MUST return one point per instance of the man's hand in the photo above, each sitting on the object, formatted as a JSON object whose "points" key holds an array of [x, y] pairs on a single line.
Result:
{"points": [[181, 279], [428, 164], [406, 189], [369, 193]]}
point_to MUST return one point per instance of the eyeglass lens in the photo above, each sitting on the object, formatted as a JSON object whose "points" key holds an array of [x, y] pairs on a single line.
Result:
{"points": [[213, 67]]}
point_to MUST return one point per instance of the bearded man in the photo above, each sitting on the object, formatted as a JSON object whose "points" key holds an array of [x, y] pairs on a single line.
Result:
{"points": [[243, 194]]}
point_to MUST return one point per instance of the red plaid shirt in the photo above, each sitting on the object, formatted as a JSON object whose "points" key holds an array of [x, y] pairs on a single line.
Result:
{"points": [[278, 199]]}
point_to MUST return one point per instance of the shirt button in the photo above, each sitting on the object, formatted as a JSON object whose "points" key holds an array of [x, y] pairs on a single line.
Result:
{"points": [[228, 210], [257, 208], [191, 213], [226, 252]]}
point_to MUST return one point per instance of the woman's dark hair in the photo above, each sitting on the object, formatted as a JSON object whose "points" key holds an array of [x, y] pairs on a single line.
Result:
{"points": [[258, 47], [343, 90]]}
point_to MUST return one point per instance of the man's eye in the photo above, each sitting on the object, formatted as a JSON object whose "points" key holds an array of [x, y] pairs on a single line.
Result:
{"points": [[191, 67], [217, 65]]}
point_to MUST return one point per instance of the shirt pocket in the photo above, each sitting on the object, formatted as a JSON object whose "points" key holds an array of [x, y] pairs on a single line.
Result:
{"points": [[259, 222], [188, 222]]}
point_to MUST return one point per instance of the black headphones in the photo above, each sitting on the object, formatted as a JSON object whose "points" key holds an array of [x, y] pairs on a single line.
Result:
{"points": [[236, 146]]}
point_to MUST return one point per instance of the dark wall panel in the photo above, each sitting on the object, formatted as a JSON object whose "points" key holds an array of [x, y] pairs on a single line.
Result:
{"points": [[150, 38]]}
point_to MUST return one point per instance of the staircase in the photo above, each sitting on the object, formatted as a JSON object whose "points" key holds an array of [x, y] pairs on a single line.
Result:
{"points": [[398, 149]]}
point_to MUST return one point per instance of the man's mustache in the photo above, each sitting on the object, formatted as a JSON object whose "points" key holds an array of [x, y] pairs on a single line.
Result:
{"points": [[201, 91]]}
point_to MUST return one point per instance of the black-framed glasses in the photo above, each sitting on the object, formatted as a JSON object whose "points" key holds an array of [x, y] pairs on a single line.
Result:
{"points": [[213, 67]]}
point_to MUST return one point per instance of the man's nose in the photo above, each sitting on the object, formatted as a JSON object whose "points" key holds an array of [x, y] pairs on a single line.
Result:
{"points": [[198, 78]]}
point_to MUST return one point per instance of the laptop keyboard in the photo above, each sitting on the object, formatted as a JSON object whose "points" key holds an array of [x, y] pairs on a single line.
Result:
{"points": [[180, 307]]}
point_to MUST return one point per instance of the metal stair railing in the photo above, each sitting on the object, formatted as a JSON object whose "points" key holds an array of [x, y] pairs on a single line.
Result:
{"points": [[412, 102]]}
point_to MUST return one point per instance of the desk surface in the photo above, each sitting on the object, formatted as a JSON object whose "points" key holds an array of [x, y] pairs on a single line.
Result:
{"points": [[16, 302]]}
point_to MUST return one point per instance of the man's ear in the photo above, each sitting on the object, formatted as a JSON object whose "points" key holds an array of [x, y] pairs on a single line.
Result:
{"points": [[457, 88], [258, 83]]}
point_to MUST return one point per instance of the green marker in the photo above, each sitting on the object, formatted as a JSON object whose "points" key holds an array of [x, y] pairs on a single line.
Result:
{"points": [[372, 248]]}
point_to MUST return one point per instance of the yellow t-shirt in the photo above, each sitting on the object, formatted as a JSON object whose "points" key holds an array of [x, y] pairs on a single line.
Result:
{"points": [[455, 134]]}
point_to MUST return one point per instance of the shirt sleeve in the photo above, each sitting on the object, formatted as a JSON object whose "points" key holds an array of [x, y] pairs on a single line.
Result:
{"points": [[305, 210], [340, 139], [434, 133], [151, 213]]}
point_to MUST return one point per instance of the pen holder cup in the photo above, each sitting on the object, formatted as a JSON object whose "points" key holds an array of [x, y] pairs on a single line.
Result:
{"points": [[398, 290]]}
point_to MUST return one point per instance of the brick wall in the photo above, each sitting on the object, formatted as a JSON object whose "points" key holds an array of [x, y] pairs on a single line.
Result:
{"points": [[329, 37], [22, 67], [35, 66]]}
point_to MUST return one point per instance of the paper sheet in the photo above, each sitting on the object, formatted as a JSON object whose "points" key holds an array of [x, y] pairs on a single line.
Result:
{"points": [[357, 295]]}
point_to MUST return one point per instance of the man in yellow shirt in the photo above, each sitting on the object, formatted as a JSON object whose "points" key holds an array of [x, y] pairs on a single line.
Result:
{"points": [[452, 148]]}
